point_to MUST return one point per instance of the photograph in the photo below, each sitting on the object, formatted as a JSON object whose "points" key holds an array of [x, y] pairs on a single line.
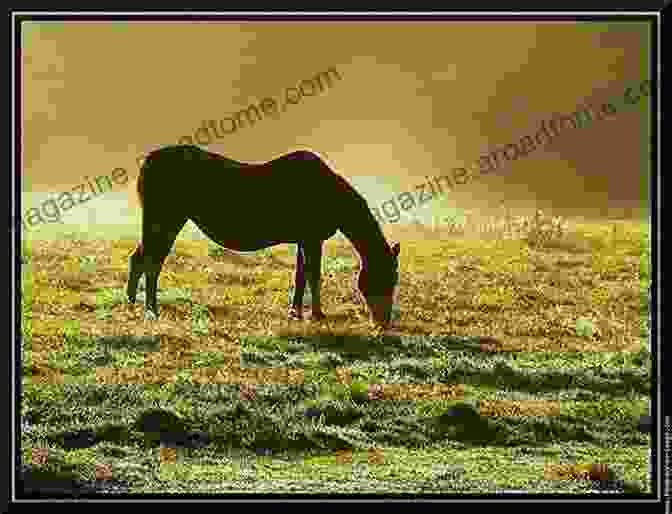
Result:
{"points": [[330, 256]]}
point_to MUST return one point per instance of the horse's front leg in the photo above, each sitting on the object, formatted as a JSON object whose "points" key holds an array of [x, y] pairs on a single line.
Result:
{"points": [[313, 265], [296, 310]]}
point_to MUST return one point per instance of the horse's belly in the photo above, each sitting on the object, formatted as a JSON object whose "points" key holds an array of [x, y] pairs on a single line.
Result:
{"points": [[256, 214], [250, 233]]}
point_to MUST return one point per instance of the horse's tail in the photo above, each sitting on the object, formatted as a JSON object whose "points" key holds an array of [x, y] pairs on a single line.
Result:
{"points": [[140, 189], [141, 184]]}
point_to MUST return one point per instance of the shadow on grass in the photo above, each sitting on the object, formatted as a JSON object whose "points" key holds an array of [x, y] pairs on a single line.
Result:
{"points": [[610, 382], [97, 351], [34, 482], [129, 342], [350, 348], [468, 363]]}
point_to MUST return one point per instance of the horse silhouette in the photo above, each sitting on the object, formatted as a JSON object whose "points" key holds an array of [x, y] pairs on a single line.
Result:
{"points": [[294, 199]]}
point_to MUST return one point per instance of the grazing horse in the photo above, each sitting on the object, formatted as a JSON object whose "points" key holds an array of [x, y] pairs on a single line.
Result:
{"points": [[295, 198]]}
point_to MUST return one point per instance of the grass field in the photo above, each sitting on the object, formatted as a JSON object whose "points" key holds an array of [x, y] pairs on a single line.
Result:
{"points": [[512, 364]]}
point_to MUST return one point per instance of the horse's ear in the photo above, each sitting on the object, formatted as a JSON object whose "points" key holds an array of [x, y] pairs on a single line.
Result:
{"points": [[395, 249]]}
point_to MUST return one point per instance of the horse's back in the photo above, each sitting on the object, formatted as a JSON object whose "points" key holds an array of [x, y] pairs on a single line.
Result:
{"points": [[179, 166], [289, 198], [190, 162]]}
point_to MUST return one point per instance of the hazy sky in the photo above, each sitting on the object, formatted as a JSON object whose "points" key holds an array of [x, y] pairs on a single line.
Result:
{"points": [[414, 99]]}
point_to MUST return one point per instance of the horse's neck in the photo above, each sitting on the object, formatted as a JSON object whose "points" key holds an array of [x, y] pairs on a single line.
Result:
{"points": [[363, 231]]}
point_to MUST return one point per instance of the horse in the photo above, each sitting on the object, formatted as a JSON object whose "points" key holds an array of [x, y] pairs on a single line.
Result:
{"points": [[293, 199]]}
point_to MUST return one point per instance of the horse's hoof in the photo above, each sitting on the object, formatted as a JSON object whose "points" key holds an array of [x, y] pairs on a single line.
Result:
{"points": [[295, 314], [151, 316]]}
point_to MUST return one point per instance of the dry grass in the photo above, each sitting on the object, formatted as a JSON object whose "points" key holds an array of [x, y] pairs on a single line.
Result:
{"points": [[527, 296]]}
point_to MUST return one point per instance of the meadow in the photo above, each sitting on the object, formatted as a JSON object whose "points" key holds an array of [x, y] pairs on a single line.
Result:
{"points": [[518, 360]]}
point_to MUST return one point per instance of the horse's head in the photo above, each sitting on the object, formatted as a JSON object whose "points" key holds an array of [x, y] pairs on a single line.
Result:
{"points": [[377, 282]]}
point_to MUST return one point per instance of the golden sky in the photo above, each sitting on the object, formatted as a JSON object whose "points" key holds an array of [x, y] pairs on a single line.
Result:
{"points": [[413, 100]]}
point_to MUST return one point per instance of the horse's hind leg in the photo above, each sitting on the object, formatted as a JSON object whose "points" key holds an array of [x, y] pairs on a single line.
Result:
{"points": [[313, 266], [135, 271], [152, 281], [157, 240], [296, 310]]}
